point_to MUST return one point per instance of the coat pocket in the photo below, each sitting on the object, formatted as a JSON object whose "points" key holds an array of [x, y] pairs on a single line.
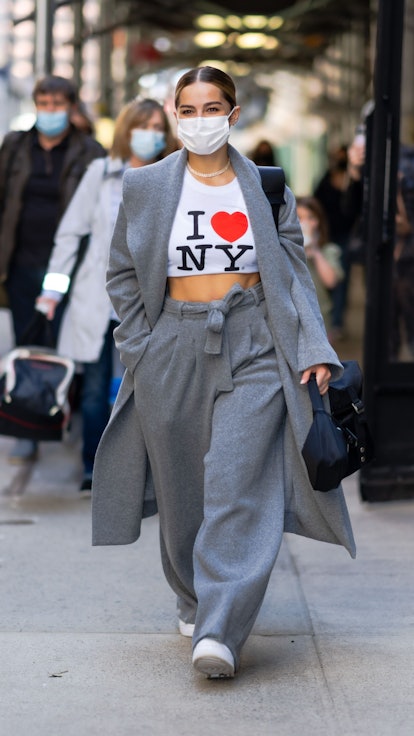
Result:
{"points": [[131, 350]]}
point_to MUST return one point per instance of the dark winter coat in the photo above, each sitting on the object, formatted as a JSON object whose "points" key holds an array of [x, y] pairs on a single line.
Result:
{"points": [[15, 163]]}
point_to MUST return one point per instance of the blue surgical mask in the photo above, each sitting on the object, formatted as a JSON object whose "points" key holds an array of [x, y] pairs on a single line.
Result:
{"points": [[147, 144], [52, 123]]}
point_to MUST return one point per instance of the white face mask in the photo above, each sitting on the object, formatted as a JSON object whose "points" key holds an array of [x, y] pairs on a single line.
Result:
{"points": [[204, 135]]}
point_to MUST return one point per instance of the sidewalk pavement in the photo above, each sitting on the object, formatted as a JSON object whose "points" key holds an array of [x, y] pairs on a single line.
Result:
{"points": [[89, 642]]}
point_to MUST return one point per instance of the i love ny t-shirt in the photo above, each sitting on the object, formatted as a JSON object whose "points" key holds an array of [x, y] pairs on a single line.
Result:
{"points": [[211, 231]]}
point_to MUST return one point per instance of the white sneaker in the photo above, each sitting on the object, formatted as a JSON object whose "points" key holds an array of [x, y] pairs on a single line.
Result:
{"points": [[213, 659], [185, 629]]}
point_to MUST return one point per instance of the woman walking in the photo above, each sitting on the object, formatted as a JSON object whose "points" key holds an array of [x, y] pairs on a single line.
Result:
{"points": [[219, 331]]}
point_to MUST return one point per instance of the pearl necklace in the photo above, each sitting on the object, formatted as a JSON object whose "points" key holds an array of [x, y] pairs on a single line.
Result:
{"points": [[208, 176]]}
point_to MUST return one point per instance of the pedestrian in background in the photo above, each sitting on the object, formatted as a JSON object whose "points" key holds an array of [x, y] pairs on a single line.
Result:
{"points": [[220, 330], [330, 192], [81, 119], [39, 172], [323, 256], [142, 135], [263, 154]]}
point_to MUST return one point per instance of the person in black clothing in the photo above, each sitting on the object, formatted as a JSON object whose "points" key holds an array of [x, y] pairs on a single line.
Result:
{"points": [[401, 325], [330, 193], [263, 154], [402, 284], [39, 172]]}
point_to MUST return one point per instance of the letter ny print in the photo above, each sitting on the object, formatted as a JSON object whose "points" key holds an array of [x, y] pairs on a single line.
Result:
{"points": [[211, 232], [225, 226]]}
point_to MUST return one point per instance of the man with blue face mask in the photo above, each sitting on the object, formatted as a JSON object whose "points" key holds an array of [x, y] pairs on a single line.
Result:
{"points": [[39, 172]]}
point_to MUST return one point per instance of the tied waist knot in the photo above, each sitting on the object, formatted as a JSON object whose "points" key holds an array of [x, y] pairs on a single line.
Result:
{"points": [[217, 313]]}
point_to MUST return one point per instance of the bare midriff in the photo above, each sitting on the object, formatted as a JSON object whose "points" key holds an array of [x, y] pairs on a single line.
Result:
{"points": [[208, 288]]}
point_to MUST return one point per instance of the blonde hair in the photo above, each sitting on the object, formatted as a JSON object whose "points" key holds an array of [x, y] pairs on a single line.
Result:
{"points": [[135, 114]]}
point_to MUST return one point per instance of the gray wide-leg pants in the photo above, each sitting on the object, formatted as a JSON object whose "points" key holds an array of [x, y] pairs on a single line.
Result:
{"points": [[209, 394]]}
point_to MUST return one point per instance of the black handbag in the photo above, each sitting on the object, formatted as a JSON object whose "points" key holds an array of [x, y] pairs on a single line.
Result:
{"points": [[34, 386], [348, 411], [340, 442]]}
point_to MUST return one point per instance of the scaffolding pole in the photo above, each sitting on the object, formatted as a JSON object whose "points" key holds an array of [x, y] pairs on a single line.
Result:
{"points": [[43, 37]]}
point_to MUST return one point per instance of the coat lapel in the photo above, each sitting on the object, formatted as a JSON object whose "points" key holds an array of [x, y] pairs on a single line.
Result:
{"points": [[159, 195], [152, 256], [275, 271]]}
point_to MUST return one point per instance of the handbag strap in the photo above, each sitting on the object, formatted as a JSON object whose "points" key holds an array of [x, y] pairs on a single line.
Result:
{"points": [[38, 331], [315, 396]]}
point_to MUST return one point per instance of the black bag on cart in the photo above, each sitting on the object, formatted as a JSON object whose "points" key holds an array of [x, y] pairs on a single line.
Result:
{"points": [[34, 388]]}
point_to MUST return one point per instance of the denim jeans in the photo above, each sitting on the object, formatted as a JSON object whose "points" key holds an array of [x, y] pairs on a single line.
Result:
{"points": [[95, 400], [339, 294]]}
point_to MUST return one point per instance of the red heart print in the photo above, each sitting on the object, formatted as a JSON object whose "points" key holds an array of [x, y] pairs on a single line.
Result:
{"points": [[230, 227]]}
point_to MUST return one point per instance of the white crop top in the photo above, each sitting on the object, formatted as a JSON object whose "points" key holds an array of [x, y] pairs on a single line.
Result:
{"points": [[211, 232]]}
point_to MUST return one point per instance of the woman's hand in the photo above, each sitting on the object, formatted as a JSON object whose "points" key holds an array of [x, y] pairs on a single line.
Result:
{"points": [[47, 306], [323, 375]]}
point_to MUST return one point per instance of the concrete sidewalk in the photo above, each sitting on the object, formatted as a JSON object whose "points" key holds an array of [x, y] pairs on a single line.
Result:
{"points": [[89, 641]]}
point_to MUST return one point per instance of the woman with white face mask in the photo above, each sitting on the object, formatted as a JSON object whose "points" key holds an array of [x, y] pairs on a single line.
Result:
{"points": [[141, 135], [219, 332]]}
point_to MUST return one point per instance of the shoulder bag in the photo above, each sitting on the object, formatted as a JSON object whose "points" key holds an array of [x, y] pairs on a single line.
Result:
{"points": [[340, 442]]}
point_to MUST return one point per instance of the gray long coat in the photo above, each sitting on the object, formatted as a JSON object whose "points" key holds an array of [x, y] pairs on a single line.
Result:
{"points": [[136, 284]]}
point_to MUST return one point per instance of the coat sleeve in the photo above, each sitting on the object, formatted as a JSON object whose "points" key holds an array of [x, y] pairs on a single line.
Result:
{"points": [[291, 240], [312, 344], [133, 333], [76, 222]]}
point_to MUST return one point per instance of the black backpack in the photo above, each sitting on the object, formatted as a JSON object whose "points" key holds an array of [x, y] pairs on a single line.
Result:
{"points": [[273, 183]]}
